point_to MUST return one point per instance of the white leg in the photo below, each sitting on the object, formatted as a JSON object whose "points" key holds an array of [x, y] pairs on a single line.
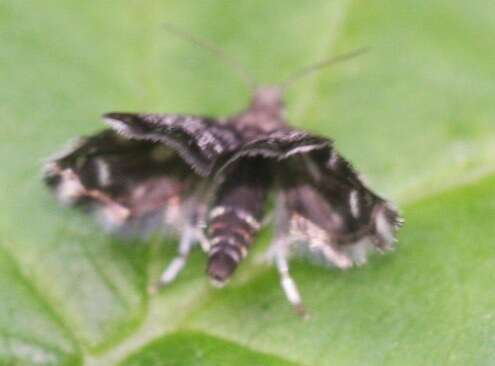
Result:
{"points": [[280, 250], [288, 284], [177, 264]]}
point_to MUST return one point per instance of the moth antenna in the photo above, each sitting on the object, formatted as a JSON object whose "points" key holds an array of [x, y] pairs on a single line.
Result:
{"points": [[305, 71], [231, 62]]}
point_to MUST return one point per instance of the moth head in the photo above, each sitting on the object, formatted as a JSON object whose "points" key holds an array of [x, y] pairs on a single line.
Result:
{"points": [[268, 99]]}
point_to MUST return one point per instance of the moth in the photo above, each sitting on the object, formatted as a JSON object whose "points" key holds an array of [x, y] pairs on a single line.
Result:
{"points": [[208, 180]]}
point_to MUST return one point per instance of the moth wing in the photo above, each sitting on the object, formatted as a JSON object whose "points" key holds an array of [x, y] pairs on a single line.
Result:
{"points": [[325, 202], [132, 186], [279, 144], [329, 207], [200, 141]]}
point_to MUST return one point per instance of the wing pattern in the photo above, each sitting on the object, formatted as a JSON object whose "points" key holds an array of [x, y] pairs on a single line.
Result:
{"points": [[200, 141], [330, 208], [131, 185]]}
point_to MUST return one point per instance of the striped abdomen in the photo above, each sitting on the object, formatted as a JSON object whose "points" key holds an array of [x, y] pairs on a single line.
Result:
{"points": [[235, 217]]}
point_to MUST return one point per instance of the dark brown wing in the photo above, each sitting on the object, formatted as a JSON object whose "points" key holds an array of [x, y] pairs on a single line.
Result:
{"points": [[326, 203], [132, 186], [329, 207], [200, 141]]}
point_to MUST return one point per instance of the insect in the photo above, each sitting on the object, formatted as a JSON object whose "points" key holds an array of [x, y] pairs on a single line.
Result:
{"points": [[208, 180]]}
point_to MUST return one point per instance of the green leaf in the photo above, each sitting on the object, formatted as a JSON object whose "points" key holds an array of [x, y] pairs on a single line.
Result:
{"points": [[192, 348], [415, 114]]}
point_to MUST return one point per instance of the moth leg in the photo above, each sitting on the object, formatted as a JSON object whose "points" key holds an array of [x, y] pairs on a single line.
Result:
{"points": [[178, 263], [279, 251], [288, 284]]}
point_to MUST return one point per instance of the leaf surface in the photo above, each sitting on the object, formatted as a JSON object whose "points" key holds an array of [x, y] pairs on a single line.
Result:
{"points": [[415, 114]]}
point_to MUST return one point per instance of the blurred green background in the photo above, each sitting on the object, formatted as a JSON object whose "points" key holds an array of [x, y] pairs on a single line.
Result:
{"points": [[416, 115]]}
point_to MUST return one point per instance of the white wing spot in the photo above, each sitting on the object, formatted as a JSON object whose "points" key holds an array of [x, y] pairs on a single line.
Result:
{"points": [[334, 159], [70, 188], [354, 203], [103, 172]]}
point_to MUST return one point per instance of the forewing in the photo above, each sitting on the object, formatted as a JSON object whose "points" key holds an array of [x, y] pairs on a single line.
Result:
{"points": [[132, 186], [200, 141], [325, 201], [329, 207]]}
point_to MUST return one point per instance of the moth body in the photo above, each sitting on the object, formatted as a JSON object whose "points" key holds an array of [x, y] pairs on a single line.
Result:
{"points": [[207, 180], [235, 217]]}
